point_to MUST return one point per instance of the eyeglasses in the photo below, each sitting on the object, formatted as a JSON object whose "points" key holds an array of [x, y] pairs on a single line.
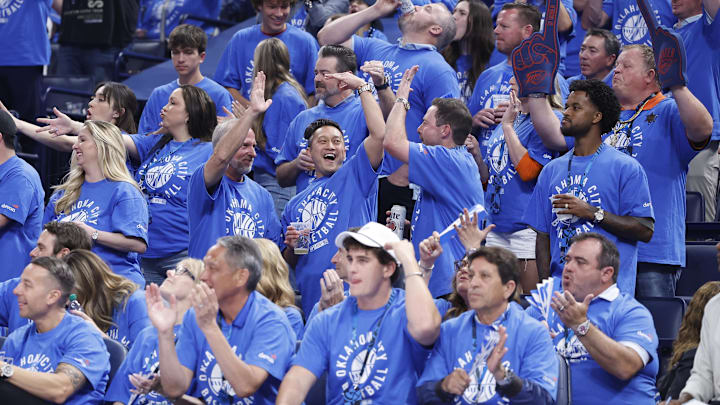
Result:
{"points": [[183, 271], [461, 265]]}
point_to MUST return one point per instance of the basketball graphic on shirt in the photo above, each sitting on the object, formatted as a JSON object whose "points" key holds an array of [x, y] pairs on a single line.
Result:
{"points": [[218, 384], [5, 3], [244, 225], [357, 364], [314, 212], [79, 216], [481, 390], [633, 28], [498, 162], [158, 176]]}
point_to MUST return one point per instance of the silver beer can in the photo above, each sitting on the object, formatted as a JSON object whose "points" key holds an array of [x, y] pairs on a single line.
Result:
{"points": [[407, 7], [397, 220]]}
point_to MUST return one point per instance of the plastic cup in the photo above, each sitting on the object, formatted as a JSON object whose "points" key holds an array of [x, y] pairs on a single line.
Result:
{"points": [[302, 245]]}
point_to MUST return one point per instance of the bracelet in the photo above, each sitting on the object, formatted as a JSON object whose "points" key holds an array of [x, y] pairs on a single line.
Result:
{"points": [[405, 103], [426, 269], [365, 87], [383, 86], [414, 274]]}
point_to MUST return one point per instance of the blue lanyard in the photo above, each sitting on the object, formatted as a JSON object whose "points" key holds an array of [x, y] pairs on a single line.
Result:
{"points": [[587, 168]]}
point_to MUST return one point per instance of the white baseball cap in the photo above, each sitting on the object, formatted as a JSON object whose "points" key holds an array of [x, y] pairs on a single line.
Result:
{"points": [[371, 234]]}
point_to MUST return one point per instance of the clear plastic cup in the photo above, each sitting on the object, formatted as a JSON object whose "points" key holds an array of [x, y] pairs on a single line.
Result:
{"points": [[302, 245]]}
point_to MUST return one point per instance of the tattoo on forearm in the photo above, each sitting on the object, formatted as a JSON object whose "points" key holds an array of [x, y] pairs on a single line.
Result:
{"points": [[77, 379]]}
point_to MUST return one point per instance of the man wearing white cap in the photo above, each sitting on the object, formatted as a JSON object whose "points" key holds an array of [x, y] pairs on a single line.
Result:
{"points": [[397, 328]]}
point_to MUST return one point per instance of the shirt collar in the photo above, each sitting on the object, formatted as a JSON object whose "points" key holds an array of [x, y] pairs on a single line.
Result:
{"points": [[686, 21], [610, 294], [415, 47]]}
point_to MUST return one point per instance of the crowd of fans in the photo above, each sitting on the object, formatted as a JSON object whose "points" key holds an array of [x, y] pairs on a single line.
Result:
{"points": [[236, 237]]}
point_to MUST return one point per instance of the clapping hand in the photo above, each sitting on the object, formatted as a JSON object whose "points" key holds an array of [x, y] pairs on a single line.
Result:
{"points": [[404, 87]]}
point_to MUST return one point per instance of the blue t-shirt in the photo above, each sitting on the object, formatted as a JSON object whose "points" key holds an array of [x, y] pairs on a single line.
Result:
{"points": [[622, 319], [660, 145], [234, 208], [507, 194], [572, 60], [151, 12], [337, 340], [141, 358], [615, 182], [463, 66], [23, 33], [9, 311], [129, 319], [110, 206], [296, 321], [434, 79], [450, 181], [563, 38], [627, 23], [348, 113], [165, 178], [21, 201], [607, 79], [73, 341], [299, 19], [260, 335], [331, 205], [702, 50], [287, 104], [235, 68], [150, 119], [530, 355]]}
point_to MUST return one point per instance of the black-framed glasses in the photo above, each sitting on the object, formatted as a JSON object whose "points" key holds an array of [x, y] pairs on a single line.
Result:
{"points": [[461, 265], [184, 271]]}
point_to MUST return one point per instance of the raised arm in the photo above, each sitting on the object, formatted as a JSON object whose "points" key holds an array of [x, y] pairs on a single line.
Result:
{"points": [[546, 123], [696, 118], [232, 141], [396, 142], [343, 28], [385, 94], [373, 117], [593, 15], [422, 315]]}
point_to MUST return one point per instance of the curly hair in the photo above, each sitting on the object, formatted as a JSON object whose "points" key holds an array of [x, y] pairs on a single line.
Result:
{"points": [[603, 97], [689, 333]]}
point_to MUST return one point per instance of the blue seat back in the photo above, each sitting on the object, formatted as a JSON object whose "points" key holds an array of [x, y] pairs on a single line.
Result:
{"points": [[701, 266]]}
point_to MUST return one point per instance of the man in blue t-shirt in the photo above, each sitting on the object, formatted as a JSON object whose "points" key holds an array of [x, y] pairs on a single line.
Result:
{"points": [[495, 350], [700, 32], [592, 187], [624, 18], [58, 357], [343, 193], [156, 14], [515, 23], [607, 336], [21, 203], [234, 345], [222, 200], [336, 102], [663, 134], [598, 53], [443, 168], [57, 240], [429, 29], [235, 68], [374, 344], [187, 45]]}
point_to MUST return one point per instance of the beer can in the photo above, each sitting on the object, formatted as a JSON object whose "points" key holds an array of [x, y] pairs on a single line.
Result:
{"points": [[397, 220], [407, 7]]}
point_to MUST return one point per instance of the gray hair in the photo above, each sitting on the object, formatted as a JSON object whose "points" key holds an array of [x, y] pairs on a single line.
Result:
{"points": [[221, 129], [243, 253]]}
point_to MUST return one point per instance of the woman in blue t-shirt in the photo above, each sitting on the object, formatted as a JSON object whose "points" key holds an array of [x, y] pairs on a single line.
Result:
{"points": [[273, 58], [474, 32], [113, 304], [101, 197], [275, 285]]}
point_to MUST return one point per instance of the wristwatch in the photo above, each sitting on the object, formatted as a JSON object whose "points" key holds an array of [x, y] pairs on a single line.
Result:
{"points": [[582, 329], [6, 371], [508, 378], [404, 102], [365, 87], [599, 215], [383, 86], [94, 235]]}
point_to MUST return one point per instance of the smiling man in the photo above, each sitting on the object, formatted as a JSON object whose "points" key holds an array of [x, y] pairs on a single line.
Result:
{"points": [[343, 193], [187, 45], [235, 69], [373, 344]]}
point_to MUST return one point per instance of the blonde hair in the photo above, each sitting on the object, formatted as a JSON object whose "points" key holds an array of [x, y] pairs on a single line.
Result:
{"points": [[195, 266], [111, 159], [99, 290], [272, 58], [274, 283]]}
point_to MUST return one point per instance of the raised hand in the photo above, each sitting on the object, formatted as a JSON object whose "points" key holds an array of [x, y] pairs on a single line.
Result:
{"points": [[472, 145], [353, 82], [205, 303], [162, 317], [535, 61], [494, 360], [430, 250], [468, 232], [61, 125], [258, 104], [512, 110], [331, 290], [669, 50], [304, 161], [570, 312], [404, 87], [376, 71]]}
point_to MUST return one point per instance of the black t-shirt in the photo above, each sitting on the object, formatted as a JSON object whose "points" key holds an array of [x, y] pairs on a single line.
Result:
{"points": [[98, 23]]}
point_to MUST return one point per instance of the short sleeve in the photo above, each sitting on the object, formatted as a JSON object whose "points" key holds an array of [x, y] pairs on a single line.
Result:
{"points": [[636, 326], [272, 345], [296, 322], [635, 190], [144, 143], [678, 132], [429, 169], [224, 99], [226, 73], [538, 211], [289, 150], [15, 200], [313, 354], [539, 362], [363, 172], [130, 216], [49, 213], [149, 119], [86, 351], [437, 366]]}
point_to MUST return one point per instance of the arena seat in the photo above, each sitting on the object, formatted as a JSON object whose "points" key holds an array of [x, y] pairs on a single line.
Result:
{"points": [[117, 355], [564, 385], [701, 266], [694, 207], [667, 313], [316, 395]]}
